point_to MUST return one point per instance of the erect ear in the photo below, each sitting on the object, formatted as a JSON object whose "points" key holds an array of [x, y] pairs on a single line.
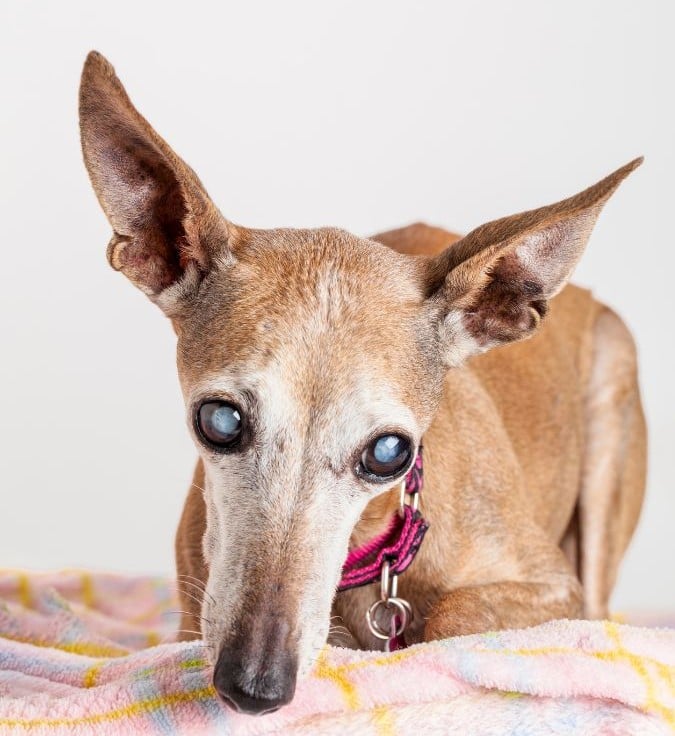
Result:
{"points": [[494, 284], [164, 223]]}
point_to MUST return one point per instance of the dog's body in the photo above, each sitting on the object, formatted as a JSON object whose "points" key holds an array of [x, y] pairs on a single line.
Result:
{"points": [[314, 362], [538, 446]]}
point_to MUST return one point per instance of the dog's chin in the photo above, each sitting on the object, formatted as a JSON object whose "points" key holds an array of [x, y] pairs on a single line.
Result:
{"points": [[212, 638], [310, 653]]}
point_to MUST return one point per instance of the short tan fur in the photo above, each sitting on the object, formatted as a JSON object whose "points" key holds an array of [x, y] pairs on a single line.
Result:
{"points": [[534, 448]]}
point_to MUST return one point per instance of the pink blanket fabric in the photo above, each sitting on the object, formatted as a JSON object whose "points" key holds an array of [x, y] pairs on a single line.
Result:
{"points": [[94, 654]]}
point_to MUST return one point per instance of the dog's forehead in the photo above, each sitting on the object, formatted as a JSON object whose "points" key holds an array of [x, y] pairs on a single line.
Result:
{"points": [[287, 271], [325, 307]]}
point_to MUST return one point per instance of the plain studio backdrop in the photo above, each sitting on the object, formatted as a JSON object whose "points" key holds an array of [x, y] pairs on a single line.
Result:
{"points": [[365, 115]]}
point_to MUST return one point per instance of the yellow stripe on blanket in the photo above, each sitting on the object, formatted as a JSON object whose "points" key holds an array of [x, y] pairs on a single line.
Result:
{"points": [[638, 663], [88, 597], [337, 676], [144, 706], [25, 596], [91, 674], [383, 720], [87, 649]]}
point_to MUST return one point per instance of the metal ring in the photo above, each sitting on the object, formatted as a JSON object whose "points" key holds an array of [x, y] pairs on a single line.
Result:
{"points": [[384, 581], [388, 581], [401, 501], [408, 499], [404, 610], [393, 588]]}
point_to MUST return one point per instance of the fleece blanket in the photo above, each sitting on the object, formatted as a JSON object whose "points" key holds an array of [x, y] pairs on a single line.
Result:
{"points": [[94, 654]]}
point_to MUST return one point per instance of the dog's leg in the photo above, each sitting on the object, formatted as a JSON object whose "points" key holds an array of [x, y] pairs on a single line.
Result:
{"points": [[613, 477], [190, 565], [505, 605], [531, 582]]}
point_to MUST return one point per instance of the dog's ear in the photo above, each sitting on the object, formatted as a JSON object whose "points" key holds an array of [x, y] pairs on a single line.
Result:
{"points": [[494, 284], [166, 229]]}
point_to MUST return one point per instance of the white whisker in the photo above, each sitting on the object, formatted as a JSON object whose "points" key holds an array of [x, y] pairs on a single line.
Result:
{"points": [[190, 613], [188, 631], [192, 596], [200, 587], [193, 578]]}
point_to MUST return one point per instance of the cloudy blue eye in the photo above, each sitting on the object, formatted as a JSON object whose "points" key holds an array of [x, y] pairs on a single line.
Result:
{"points": [[386, 456], [220, 423]]}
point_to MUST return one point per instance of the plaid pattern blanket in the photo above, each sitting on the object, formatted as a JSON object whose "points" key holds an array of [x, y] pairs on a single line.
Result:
{"points": [[94, 654]]}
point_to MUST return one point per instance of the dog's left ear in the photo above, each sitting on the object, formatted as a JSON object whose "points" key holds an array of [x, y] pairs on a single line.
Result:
{"points": [[167, 232], [494, 284]]}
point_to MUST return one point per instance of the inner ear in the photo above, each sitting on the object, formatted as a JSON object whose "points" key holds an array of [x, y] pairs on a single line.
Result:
{"points": [[152, 249], [509, 306], [162, 218], [545, 258]]}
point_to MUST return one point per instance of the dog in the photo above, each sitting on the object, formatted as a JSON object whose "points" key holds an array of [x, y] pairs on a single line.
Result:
{"points": [[314, 362]]}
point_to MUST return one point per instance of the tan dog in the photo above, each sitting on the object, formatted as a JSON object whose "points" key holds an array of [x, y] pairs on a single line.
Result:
{"points": [[313, 362]]}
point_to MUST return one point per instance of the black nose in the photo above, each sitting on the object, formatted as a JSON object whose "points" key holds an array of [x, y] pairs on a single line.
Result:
{"points": [[255, 687]]}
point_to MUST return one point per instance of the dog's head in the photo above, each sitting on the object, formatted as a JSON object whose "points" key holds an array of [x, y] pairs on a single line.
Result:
{"points": [[311, 362]]}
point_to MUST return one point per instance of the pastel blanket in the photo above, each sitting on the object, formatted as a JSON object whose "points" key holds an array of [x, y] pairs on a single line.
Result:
{"points": [[94, 654]]}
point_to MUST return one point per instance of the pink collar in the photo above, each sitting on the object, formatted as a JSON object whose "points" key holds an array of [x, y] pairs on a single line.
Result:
{"points": [[398, 544]]}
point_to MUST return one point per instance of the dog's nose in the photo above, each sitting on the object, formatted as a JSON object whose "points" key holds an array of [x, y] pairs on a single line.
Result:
{"points": [[254, 692]]}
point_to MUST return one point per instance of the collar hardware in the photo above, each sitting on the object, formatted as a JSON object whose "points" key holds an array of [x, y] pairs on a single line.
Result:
{"points": [[383, 558]]}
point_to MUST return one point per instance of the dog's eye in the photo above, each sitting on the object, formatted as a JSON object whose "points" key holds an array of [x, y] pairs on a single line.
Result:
{"points": [[386, 456], [219, 423]]}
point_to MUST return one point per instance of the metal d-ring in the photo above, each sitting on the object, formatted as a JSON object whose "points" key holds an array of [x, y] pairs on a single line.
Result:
{"points": [[402, 607], [388, 582], [408, 499]]}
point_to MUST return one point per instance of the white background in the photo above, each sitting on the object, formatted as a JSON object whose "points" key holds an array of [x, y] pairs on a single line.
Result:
{"points": [[366, 115]]}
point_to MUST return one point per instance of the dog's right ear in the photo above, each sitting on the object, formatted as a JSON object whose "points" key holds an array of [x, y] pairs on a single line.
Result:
{"points": [[166, 229]]}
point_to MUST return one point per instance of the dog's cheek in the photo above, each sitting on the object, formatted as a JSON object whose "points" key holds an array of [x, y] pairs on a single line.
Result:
{"points": [[209, 541]]}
